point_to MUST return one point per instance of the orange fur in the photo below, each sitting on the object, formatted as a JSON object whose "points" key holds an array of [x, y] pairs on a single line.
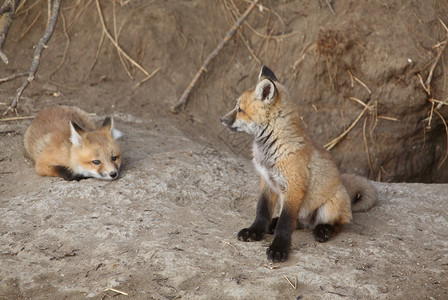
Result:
{"points": [[301, 173], [64, 141]]}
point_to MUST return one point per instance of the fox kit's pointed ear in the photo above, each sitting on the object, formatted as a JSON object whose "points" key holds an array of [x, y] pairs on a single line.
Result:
{"points": [[109, 125], [75, 134], [265, 90], [267, 73]]}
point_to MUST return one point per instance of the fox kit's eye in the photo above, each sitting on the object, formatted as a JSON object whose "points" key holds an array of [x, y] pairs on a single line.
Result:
{"points": [[239, 109], [96, 162], [114, 158]]}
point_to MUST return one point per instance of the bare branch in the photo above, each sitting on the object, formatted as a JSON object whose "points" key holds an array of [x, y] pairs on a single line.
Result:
{"points": [[37, 54], [184, 98], [7, 11]]}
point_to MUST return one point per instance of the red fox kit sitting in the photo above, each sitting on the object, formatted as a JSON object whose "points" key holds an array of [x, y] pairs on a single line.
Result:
{"points": [[63, 141], [302, 175]]}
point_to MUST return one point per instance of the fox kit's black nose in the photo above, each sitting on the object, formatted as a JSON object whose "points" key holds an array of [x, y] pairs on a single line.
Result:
{"points": [[220, 119], [113, 174]]}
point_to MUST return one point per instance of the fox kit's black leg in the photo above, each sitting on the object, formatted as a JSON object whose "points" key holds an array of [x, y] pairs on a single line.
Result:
{"points": [[265, 208], [67, 174], [280, 246], [286, 224], [256, 231]]}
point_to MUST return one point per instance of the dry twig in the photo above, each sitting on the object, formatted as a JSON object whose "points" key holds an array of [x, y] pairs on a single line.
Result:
{"points": [[331, 7], [184, 98], [29, 27], [294, 286], [67, 46], [116, 291], [335, 141], [40, 47], [7, 11], [14, 76], [147, 78], [446, 131], [16, 119], [112, 39]]}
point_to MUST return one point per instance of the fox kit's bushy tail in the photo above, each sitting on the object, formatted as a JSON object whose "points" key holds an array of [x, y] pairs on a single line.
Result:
{"points": [[361, 191]]}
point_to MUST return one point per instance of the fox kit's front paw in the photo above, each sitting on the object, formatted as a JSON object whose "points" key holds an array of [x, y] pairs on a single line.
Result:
{"points": [[277, 252], [323, 232], [250, 235]]}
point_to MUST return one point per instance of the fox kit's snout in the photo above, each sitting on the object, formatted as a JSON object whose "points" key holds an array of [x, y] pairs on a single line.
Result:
{"points": [[294, 173], [64, 141]]}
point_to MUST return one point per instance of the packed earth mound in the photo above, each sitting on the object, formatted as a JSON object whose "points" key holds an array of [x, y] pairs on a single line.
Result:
{"points": [[371, 85]]}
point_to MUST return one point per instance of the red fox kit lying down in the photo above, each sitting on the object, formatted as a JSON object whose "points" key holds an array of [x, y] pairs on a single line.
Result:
{"points": [[64, 141], [300, 174]]}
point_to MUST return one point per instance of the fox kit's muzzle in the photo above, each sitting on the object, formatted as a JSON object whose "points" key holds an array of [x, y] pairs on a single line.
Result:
{"points": [[229, 119]]}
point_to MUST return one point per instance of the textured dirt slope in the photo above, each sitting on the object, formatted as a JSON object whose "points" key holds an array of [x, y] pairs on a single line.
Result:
{"points": [[167, 228], [373, 51]]}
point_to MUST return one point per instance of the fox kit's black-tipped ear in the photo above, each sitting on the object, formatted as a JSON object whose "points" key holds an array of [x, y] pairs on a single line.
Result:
{"points": [[109, 124], [75, 134], [106, 121], [267, 73]]}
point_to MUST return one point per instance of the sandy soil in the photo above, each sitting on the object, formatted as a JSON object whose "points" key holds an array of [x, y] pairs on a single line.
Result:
{"points": [[167, 227]]}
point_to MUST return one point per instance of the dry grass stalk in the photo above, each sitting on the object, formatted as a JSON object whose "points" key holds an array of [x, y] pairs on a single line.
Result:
{"points": [[294, 286], [302, 54], [441, 47], [446, 131], [111, 38], [97, 54], [147, 77], [366, 146], [359, 81], [123, 62], [116, 291], [29, 27], [388, 118], [335, 141], [440, 103], [16, 119], [330, 6], [67, 46], [184, 98]]}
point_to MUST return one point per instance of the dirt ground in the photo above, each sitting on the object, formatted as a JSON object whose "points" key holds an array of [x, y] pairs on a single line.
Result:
{"points": [[167, 227]]}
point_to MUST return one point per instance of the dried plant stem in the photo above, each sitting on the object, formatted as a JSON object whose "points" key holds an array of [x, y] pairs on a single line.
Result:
{"points": [[366, 146], [184, 98], [335, 141], [116, 291], [37, 54], [7, 11], [123, 62], [96, 54], [294, 286], [441, 46], [29, 27], [16, 119], [359, 81], [446, 131], [111, 38], [330, 6], [147, 78], [67, 46], [12, 77]]}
